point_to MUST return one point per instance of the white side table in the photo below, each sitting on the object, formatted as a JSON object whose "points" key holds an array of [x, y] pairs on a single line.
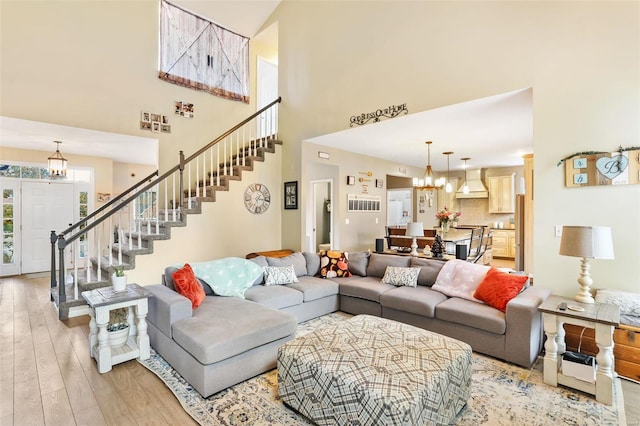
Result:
{"points": [[603, 317], [103, 300]]}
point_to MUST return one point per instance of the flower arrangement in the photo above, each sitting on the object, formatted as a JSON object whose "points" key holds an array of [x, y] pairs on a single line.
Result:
{"points": [[446, 216]]}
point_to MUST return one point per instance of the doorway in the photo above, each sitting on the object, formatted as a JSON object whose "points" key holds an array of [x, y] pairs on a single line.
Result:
{"points": [[321, 236], [267, 92], [399, 207]]}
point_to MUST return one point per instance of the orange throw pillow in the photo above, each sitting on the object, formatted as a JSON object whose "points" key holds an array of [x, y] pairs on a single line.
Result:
{"points": [[186, 283], [498, 288]]}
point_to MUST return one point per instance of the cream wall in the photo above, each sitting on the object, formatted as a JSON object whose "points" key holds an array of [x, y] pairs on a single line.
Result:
{"points": [[581, 59]]}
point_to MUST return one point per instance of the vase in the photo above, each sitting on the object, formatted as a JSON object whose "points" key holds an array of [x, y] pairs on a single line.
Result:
{"points": [[119, 283], [118, 338], [445, 226]]}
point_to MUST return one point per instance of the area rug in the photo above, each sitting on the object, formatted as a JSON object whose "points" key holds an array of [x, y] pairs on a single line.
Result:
{"points": [[502, 394]]}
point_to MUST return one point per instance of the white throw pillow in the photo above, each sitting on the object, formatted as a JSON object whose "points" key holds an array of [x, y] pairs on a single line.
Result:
{"points": [[401, 276], [459, 278], [276, 275]]}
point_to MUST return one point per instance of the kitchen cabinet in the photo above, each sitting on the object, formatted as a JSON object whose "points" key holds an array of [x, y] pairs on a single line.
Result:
{"points": [[502, 194], [504, 243], [449, 199]]}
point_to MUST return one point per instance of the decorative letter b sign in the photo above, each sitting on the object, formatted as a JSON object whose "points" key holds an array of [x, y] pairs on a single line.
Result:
{"points": [[616, 168]]}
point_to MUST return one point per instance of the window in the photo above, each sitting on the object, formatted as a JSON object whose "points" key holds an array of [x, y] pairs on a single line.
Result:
{"points": [[199, 54]]}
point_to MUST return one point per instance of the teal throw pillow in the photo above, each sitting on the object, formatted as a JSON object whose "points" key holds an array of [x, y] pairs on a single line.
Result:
{"points": [[230, 276]]}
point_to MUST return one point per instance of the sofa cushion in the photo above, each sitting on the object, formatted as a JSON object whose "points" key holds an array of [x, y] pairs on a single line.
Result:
{"points": [[429, 270], [401, 276], [459, 278], [230, 276], [420, 300], [378, 263], [296, 259], [168, 281], [277, 275], [313, 263], [224, 327], [358, 262], [472, 314], [368, 288], [261, 261], [498, 288], [274, 296], [187, 285], [334, 264], [314, 288]]}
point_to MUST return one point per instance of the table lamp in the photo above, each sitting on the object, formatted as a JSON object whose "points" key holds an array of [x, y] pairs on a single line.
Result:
{"points": [[587, 242], [415, 229]]}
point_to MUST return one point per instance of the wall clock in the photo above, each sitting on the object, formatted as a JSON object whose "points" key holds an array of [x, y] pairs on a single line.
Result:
{"points": [[257, 198]]}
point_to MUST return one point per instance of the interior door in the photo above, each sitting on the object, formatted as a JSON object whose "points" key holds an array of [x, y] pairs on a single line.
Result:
{"points": [[46, 206], [322, 215]]}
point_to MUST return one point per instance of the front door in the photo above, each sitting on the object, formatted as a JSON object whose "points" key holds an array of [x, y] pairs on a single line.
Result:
{"points": [[46, 206]]}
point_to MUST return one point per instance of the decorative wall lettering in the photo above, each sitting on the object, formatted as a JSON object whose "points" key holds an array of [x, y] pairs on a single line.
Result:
{"points": [[592, 168], [389, 112]]}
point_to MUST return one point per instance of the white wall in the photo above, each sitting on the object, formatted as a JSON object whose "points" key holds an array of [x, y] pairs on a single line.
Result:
{"points": [[582, 60]]}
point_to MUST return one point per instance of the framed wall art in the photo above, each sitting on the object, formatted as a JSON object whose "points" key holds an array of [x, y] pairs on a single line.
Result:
{"points": [[291, 195]]}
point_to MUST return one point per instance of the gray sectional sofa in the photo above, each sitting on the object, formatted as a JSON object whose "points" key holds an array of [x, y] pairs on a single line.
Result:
{"points": [[227, 340]]}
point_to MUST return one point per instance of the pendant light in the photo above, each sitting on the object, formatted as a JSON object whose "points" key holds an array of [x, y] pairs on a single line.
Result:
{"points": [[448, 187], [428, 172], [57, 164], [465, 186]]}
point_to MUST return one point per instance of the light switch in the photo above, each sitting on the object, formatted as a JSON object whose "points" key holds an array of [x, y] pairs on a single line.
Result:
{"points": [[346, 221], [558, 230]]}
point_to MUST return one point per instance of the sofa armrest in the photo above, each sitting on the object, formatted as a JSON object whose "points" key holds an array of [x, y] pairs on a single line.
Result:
{"points": [[524, 326], [166, 307]]}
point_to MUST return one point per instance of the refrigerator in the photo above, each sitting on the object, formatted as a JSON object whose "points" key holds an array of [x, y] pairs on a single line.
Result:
{"points": [[518, 219]]}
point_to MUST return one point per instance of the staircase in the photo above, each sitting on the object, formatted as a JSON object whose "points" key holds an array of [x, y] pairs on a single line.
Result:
{"points": [[131, 222]]}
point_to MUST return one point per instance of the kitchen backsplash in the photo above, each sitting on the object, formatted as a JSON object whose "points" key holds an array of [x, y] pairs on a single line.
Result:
{"points": [[475, 211]]}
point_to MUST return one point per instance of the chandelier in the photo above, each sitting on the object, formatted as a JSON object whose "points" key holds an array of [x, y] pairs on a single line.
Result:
{"points": [[427, 183], [57, 164]]}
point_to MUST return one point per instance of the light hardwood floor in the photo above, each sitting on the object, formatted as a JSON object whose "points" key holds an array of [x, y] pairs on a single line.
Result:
{"points": [[47, 376]]}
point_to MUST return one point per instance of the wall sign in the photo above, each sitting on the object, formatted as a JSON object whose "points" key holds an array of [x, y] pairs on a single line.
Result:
{"points": [[621, 167], [363, 203], [389, 112]]}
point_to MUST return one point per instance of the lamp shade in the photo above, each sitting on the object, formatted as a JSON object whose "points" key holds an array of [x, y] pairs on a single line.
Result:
{"points": [[415, 229], [591, 242]]}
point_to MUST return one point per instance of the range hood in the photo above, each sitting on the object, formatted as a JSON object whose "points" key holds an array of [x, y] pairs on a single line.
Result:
{"points": [[476, 187]]}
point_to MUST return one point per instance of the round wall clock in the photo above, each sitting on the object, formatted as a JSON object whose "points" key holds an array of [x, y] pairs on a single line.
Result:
{"points": [[257, 198]]}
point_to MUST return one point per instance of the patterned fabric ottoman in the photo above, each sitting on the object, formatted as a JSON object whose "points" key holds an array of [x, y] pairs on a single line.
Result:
{"points": [[372, 371]]}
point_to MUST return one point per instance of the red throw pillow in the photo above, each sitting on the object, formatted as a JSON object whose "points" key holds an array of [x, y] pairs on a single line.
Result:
{"points": [[498, 288], [186, 283]]}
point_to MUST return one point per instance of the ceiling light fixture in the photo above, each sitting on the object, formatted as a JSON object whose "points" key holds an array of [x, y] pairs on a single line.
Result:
{"points": [[427, 183], [465, 186], [57, 164], [448, 187]]}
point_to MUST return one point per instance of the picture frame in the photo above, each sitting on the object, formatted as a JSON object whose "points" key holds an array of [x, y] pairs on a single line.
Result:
{"points": [[145, 117], [291, 195], [351, 180], [379, 183], [155, 126]]}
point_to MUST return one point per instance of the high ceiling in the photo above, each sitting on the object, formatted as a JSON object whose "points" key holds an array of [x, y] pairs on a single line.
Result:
{"points": [[493, 132]]}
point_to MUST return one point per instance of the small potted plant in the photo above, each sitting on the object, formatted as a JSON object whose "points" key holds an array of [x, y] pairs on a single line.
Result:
{"points": [[119, 279], [118, 327]]}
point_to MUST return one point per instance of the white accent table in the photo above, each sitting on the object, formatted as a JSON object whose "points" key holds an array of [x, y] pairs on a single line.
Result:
{"points": [[103, 300], [603, 317]]}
